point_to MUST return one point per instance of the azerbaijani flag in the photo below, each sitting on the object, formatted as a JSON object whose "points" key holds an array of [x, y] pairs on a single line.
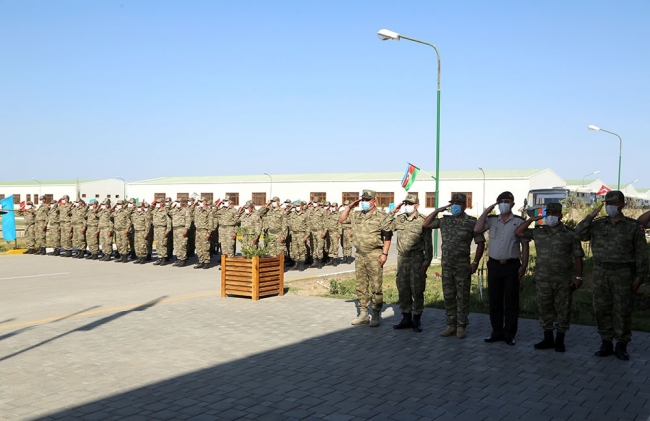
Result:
{"points": [[409, 176]]}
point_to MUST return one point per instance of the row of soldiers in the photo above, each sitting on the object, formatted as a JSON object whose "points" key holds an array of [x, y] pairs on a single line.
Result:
{"points": [[304, 232]]}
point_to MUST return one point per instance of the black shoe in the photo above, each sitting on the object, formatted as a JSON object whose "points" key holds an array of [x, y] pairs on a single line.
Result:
{"points": [[157, 262], [301, 266], [164, 261], [493, 338], [198, 266], [606, 349], [548, 342], [94, 256], [107, 258], [621, 351], [206, 265], [125, 259], [417, 326], [148, 258], [510, 341], [43, 252], [181, 263], [559, 342], [405, 323], [136, 262], [29, 251], [335, 262]]}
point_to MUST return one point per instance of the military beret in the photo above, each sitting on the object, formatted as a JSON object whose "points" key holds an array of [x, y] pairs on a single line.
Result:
{"points": [[275, 199], [505, 195], [554, 207], [368, 194], [459, 197], [412, 198], [615, 196], [93, 200]]}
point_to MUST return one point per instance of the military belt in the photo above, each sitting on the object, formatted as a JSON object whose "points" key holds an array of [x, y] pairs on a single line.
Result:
{"points": [[505, 261], [410, 253], [613, 266]]}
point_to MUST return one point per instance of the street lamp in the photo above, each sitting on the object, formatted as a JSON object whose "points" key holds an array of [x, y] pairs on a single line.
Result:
{"points": [[620, 150], [586, 175], [124, 189], [483, 186], [384, 35], [271, 186], [39, 186]]}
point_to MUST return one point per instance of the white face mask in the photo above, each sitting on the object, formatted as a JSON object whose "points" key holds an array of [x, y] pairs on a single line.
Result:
{"points": [[118, 207], [408, 209], [611, 210], [28, 206], [274, 204], [247, 210], [504, 207], [139, 209], [90, 207], [552, 220], [224, 205], [103, 207], [52, 206], [315, 205], [283, 206], [341, 208]]}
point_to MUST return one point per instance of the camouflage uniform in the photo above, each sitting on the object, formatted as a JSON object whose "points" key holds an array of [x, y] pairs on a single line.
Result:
{"points": [[54, 229], [457, 236], [316, 221], [299, 231], [92, 232], [78, 222], [141, 220], [333, 227], [204, 223], [65, 216], [226, 221], [181, 223], [346, 238], [106, 229], [41, 227], [252, 227], [29, 215], [162, 225], [122, 227], [276, 226]]}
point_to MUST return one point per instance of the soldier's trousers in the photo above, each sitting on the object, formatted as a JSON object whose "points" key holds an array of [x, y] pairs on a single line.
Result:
{"points": [[66, 236], [30, 236], [411, 283], [92, 238], [298, 249], [274, 245], [503, 286], [40, 235], [456, 285], [333, 244], [554, 298], [170, 244], [180, 243], [613, 300], [140, 243], [79, 238], [191, 240], [225, 238], [122, 241], [150, 241], [161, 241], [317, 244], [54, 236], [346, 242], [369, 274], [131, 238], [106, 240], [202, 245]]}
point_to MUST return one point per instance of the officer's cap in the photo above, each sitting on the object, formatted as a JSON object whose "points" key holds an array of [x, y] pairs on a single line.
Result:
{"points": [[505, 195], [368, 194], [459, 197], [412, 198], [615, 196], [557, 207]]}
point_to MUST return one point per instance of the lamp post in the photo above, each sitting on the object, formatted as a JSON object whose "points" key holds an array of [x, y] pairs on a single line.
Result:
{"points": [[39, 186], [124, 189], [271, 185], [586, 175], [620, 149], [483, 187], [384, 35]]}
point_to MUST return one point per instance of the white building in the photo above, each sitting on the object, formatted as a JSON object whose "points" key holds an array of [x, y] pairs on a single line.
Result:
{"points": [[53, 190]]}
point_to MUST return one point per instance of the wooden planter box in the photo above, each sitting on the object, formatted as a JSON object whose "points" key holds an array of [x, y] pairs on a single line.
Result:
{"points": [[255, 278]]}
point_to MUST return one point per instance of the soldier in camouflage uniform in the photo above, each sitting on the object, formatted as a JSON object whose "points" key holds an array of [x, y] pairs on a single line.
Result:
{"points": [[78, 222], [557, 248], [346, 237], [287, 209], [316, 220], [29, 215], [299, 226], [457, 231], [162, 226], [276, 227], [333, 227], [227, 220], [54, 229], [620, 265], [106, 229], [122, 228], [65, 217], [141, 223], [131, 207], [92, 229], [414, 255], [204, 222], [41, 226], [181, 223], [372, 237], [191, 233], [251, 225], [171, 207]]}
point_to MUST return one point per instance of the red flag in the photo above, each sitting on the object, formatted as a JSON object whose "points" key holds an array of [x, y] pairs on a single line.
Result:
{"points": [[603, 190]]}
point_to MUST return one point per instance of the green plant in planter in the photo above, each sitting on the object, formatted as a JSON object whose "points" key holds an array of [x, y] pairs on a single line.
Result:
{"points": [[258, 250]]}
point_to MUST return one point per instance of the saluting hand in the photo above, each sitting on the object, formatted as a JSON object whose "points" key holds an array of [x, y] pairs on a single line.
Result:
{"points": [[490, 208], [596, 210], [355, 203]]}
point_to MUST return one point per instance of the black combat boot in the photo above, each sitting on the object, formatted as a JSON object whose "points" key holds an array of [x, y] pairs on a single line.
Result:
{"points": [[547, 342], [94, 256], [157, 262], [621, 351], [335, 261], [29, 251], [417, 326], [56, 252], [125, 258], [198, 265], [319, 263], [315, 263], [42, 251], [405, 323], [181, 263], [301, 266], [164, 261], [559, 342], [606, 349], [68, 253]]}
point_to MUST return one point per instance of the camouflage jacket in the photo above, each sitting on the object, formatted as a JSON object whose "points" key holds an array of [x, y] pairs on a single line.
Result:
{"points": [[121, 219], [65, 213], [298, 222], [556, 249], [316, 219], [369, 229], [332, 223], [275, 221], [92, 218], [79, 216], [181, 218], [160, 218], [29, 216], [141, 221], [457, 236], [252, 222], [411, 235], [53, 216], [105, 218], [41, 215], [204, 219], [227, 217]]}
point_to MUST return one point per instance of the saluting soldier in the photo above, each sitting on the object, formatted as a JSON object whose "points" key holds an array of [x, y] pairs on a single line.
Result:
{"points": [[620, 265], [141, 222], [181, 222], [204, 224], [299, 236], [92, 229], [106, 229], [29, 215], [54, 229], [131, 207], [251, 223], [346, 236], [122, 226], [162, 226], [333, 227], [276, 226], [65, 218], [78, 222], [316, 219], [227, 220], [40, 229]]}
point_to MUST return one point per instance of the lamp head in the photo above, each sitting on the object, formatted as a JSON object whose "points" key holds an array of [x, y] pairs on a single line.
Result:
{"points": [[385, 34], [592, 127], [597, 172]]}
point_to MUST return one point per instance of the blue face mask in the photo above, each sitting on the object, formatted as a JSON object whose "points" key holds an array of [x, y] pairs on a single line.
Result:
{"points": [[365, 206], [456, 210]]}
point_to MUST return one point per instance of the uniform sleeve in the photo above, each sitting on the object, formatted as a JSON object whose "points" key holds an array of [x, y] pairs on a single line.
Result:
{"points": [[577, 250], [583, 229], [435, 224], [529, 234], [427, 233], [641, 252]]}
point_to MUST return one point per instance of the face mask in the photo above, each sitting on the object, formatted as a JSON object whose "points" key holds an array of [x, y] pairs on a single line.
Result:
{"points": [[139, 209], [611, 210], [552, 220], [103, 207], [274, 204], [456, 210], [365, 206], [341, 208], [118, 207], [247, 210], [52, 206], [504, 207], [326, 208], [90, 207], [408, 209], [315, 205]]}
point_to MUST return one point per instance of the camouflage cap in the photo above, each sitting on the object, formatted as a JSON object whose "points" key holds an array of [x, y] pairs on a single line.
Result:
{"points": [[368, 194], [327, 204], [249, 203], [615, 196], [106, 201], [168, 199], [43, 198], [131, 200], [29, 202], [66, 197], [347, 202], [334, 204], [183, 200], [412, 198], [316, 199], [275, 199], [227, 198], [288, 201], [459, 197], [119, 202], [554, 207], [204, 199], [303, 203], [505, 195]]}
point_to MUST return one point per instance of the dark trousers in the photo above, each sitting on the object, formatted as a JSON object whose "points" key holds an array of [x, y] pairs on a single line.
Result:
{"points": [[503, 287]]}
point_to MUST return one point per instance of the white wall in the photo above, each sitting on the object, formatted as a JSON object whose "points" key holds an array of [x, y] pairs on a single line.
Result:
{"points": [[103, 188]]}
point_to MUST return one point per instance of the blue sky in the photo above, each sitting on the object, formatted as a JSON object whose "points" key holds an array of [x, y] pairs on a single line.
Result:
{"points": [[144, 89]]}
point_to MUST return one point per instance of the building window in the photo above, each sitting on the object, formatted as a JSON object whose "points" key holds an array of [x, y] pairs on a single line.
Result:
{"points": [[49, 198], [36, 197], [159, 197], [207, 196], [349, 195], [2, 196], [431, 200], [180, 196], [28, 197], [108, 196], [117, 196], [385, 198], [320, 194], [83, 196], [234, 197], [259, 199], [468, 195], [96, 196], [16, 199]]}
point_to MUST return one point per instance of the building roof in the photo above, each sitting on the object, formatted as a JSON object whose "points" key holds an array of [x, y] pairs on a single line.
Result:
{"points": [[579, 182], [371, 176], [45, 182]]}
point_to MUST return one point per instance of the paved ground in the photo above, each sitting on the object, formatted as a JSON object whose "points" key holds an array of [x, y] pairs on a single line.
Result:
{"points": [[94, 341]]}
